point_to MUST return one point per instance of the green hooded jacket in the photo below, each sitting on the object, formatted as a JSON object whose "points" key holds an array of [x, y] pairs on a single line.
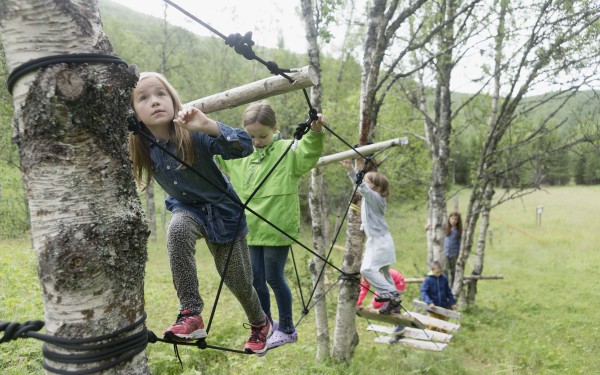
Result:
{"points": [[277, 200]]}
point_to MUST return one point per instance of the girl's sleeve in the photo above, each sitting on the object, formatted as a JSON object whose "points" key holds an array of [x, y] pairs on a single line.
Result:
{"points": [[310, 149], [372, 197], [233, 143], [361, 295], [399, 281]]}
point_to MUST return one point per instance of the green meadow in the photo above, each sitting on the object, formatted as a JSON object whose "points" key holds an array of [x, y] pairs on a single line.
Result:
{"points": [[542, 318]]}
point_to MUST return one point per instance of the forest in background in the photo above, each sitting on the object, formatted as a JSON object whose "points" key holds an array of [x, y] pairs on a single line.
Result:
{"points": [[201, 66]]}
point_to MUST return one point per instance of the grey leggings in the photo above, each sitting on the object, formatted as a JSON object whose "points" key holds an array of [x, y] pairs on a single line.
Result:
{"points": [[181, 246]]}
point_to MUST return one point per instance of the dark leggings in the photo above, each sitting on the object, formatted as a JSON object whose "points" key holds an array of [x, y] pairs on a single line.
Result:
{"points": [[182, 235]]}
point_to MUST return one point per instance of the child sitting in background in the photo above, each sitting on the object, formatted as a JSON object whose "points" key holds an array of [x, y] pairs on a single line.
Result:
{"points": [[435, 291]]}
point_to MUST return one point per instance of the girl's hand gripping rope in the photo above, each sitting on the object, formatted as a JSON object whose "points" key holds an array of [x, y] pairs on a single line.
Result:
{"points": [[317, 125], [314, 123]]}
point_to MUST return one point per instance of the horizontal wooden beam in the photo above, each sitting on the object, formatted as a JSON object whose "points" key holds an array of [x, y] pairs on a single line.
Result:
{"points": [[422, 307], [467, 278], [303, 77], [364, 150]]}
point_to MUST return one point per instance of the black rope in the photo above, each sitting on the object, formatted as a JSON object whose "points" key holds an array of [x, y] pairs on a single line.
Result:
{"points": [[137, 128], [304, 309], [241, 44], [42, 62], [120, 349]]}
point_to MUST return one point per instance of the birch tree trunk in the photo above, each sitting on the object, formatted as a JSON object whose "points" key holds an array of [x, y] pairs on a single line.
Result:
{"points": [[481, 241], [439, 135], [87, 226], [316, 196], [345, 337], [488, 193], [382, 24]]}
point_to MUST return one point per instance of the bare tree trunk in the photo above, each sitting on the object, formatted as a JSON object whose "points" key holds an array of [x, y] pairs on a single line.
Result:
{"points": [[481, 241], [439, 142], [482, 192], [319, 231], [345, 337], [87, 224], [316, 196]]}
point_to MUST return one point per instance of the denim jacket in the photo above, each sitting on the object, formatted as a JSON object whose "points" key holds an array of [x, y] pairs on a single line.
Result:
{"points": [[222, 218]]}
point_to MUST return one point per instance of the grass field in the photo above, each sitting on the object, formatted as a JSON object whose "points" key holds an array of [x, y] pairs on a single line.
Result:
{"points": [[541, 319]]}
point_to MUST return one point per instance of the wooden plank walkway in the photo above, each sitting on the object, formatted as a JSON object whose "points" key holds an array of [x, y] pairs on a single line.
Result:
{"points": [[398, 319], [415, 334]]}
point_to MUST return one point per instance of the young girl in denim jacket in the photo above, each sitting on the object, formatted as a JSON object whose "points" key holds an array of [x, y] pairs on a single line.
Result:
{"points": [[200, 207]]}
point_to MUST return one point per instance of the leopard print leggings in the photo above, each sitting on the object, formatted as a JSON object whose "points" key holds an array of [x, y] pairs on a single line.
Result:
{"points": [[181, 246]]}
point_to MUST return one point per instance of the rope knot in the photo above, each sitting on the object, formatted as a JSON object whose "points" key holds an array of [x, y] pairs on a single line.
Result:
{"points": [[242, 44], [13, 331]]}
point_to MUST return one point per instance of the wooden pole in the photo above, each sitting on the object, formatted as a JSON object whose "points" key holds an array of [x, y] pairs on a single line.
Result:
{"points": [[303, 77], [368, 149], [466, 278]]}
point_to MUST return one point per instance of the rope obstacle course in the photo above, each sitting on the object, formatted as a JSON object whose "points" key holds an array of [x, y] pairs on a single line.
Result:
{"points": [[116, 346]]}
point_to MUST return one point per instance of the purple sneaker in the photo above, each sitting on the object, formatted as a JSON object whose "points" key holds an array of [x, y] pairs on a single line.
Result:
{"points": [[281, 338]]}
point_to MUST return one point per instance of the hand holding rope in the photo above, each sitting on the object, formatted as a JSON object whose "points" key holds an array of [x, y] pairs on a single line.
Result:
{"points": [[304, 127]]}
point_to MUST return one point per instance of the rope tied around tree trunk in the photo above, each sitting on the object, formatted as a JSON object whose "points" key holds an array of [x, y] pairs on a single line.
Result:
{"points": [[116, 348], [42, 62]]}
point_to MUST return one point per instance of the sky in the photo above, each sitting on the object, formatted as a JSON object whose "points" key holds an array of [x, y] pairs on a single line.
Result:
{"points": [[267, 19]]}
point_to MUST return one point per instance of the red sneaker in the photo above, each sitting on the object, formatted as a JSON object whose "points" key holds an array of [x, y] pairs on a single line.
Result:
{"points": [[260, 333], [188, 326]]}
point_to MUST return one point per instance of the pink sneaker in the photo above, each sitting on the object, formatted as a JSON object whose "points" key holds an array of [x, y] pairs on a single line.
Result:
{"points": [[281, 338], [260, 333], [188, 326]]}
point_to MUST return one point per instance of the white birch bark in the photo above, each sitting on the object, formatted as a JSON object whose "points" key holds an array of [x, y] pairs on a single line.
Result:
{"points": [[345, 337], [316, 196], [87, 225], [439, 141], [481, 241]]}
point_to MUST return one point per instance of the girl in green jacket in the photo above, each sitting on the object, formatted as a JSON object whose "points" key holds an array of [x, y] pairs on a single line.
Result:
{"points": [[277, 201]]}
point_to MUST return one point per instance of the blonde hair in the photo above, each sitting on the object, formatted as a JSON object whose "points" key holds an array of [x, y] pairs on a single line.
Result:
{"points": [[436, 265], [381, 183], [261, 113], [139, 147]]}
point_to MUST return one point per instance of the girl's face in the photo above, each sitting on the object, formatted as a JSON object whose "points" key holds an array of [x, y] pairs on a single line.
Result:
{"points": [[261, 135], [152, 103], [453, 220]]}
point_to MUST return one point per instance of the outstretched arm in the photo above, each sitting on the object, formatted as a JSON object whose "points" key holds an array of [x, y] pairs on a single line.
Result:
{"points": [[193, 119]]}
